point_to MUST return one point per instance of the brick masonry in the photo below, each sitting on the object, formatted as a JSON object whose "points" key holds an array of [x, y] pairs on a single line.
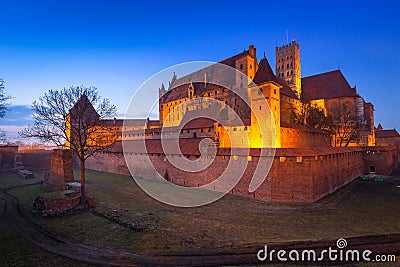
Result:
{"points": [[36, 160], [60, 170], [296, 175]]}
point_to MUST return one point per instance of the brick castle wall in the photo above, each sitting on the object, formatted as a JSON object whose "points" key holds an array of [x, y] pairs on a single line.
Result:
{"points": [[296, 175], [36, 160], [292, 138]]}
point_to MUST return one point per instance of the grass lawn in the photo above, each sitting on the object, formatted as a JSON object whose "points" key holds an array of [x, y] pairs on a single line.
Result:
{"points": [[361, 208], [16, 250]]}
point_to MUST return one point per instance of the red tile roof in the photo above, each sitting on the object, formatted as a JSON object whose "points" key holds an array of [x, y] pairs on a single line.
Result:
{"points": [[326, 85], [386, 133], [83, 105], [264, 73], [181, 91], [216, 76]]}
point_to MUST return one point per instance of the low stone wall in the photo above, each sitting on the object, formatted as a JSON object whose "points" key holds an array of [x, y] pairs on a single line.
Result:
{"points": [[296, 175], [59, 202]]}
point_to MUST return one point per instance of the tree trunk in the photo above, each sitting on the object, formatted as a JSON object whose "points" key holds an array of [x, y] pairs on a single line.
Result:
{"points": [[83, 184]]}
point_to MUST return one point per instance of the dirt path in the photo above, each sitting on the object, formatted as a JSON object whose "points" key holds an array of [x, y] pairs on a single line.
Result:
{"points": [[73, 249]]}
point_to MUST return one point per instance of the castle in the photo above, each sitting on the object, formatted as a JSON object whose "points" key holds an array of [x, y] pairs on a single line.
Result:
{"points": [[309, 162]]}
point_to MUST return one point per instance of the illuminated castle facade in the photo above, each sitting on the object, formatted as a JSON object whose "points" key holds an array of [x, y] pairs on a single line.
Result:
{"points": [[286, 93], [306, 164]]}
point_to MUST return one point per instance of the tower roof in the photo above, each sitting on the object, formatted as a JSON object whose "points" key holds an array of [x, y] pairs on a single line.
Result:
{"points": [[83, 107], [330, 84], [264, 73]]}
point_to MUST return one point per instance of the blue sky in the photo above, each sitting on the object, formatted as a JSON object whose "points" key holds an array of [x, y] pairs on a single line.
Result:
{"points": [[116, 45]]}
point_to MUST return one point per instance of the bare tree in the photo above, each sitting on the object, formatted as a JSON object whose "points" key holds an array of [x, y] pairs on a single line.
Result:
{"points": [[3, 100], [3, 108], [312, 116], [346, 124], [72, 118]]}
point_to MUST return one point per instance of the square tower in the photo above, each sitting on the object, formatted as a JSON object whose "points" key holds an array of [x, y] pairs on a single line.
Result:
{"points": [[287, 65]]}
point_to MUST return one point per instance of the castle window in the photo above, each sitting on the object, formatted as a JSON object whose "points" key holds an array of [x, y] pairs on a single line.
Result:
{"points": [[260, 108], [216, 92], [208, 94], [274, 91], [299, 159], [249, 158], [291, 72], [279, 67], [241, 66], [251, 66], [223, 90], [291, 64], [259, 92], [282, 159], [201, 130], [235, 157], [287, 66], [287, 74]]}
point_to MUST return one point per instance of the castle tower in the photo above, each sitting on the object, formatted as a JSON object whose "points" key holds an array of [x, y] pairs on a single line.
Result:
{"points": [[247, 64], [288, 65], [161, 92]]}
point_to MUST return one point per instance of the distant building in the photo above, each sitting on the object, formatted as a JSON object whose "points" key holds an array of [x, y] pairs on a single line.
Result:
{"points": [[389, 137]]}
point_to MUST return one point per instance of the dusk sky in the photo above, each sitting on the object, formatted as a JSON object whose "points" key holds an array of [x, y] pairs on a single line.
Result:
{"points": [[117, 45]]}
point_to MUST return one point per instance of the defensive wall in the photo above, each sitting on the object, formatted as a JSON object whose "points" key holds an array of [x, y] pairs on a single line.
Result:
{"points": [[296, 175]]}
